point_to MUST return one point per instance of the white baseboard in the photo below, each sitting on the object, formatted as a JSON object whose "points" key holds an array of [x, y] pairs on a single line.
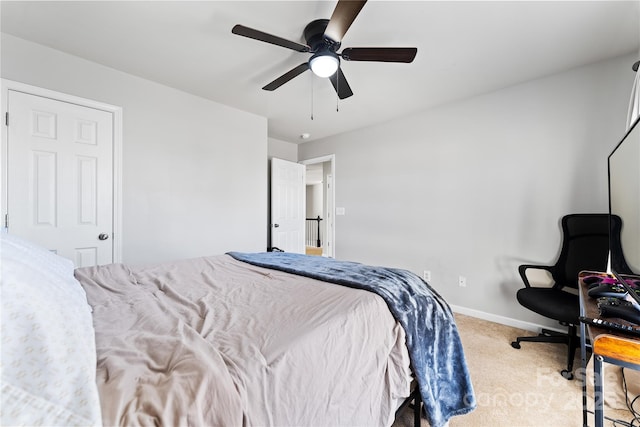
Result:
{"points": [[528, 326]]}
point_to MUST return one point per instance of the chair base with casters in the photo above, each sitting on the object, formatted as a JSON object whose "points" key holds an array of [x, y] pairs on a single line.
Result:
{"points": [[546, 335], [558, 304]]}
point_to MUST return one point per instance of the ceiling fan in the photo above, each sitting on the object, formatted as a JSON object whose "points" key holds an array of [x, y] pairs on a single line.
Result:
{"points": [[323, 37]]}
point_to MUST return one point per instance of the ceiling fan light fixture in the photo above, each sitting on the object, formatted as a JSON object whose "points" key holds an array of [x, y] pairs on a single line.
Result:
{"points": [[324, 64]]}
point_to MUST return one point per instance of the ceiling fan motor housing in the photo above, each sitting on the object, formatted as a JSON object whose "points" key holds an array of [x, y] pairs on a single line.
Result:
{"points": [[314, 36]]}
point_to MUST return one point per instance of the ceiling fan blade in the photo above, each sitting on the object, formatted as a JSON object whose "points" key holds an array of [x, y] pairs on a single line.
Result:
{"points": [[380, 54], [287, 76], [343, 16], [241, 30], [340, 84]]}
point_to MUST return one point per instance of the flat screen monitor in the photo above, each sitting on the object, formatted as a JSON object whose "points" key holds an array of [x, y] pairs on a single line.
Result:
{"points": [[624, 201]]}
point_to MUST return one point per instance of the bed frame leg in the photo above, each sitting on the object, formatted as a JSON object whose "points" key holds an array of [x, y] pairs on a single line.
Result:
{"points": [[417, 407]]}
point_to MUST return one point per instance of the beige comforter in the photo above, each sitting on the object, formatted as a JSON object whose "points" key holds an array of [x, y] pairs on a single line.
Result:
{"points": [[217, 342]]}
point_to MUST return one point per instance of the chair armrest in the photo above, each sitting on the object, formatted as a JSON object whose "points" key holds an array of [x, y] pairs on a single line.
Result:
{"points": [[523, 271]]}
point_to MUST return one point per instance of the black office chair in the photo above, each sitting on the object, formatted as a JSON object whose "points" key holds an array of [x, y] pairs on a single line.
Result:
{"points": [[585, 246]]}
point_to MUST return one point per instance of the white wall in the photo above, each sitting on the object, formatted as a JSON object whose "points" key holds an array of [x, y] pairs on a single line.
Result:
{"points": [[194, 171], [477, 187]]}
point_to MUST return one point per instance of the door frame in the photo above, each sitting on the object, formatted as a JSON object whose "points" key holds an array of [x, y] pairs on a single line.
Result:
{"points": [[116, 112], [331, 158]]}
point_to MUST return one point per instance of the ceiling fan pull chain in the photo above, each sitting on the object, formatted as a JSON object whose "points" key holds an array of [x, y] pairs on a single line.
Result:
{"points": [[311, 96], [337, 93]]}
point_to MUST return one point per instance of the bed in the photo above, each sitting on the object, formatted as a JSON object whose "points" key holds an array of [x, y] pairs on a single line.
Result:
{"points": [[233, 339]]}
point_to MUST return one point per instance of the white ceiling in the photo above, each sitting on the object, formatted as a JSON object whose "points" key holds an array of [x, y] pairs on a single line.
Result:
{"points": [[464, 49]]}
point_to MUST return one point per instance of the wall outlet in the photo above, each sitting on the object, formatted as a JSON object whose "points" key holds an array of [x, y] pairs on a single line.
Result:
{"points": [[426, 275], [462, 281]]}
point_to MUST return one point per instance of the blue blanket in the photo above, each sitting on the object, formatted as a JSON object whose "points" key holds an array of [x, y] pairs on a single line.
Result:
{"points": [[433, 341]]}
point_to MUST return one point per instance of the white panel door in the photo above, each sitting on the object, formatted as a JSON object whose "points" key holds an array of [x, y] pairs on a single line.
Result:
{"points": [[60, 177], [288, 205]]}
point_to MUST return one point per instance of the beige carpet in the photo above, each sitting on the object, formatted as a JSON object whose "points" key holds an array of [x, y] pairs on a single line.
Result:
{"points": [[516, 387]]}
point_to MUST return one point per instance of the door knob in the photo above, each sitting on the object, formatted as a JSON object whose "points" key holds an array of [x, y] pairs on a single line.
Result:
{"points": [[103, 236], [276, 225]]}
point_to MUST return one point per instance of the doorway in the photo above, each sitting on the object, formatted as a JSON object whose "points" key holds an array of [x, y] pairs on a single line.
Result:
{"points": [[320, 212]]}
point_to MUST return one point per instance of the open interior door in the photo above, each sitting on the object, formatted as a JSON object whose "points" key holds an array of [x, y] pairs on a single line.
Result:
{"points": [[288, 203]]}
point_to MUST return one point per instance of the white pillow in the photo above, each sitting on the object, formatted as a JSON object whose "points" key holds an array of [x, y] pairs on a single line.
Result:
{"points": [[48, 358]]}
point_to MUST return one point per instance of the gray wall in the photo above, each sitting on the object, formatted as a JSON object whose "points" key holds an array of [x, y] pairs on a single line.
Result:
{"points": [[193, 170], [315, 201], [282, 150], [477, 187]]}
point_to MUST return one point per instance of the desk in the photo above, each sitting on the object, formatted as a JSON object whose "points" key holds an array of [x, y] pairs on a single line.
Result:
{"points": [[607, 346]]}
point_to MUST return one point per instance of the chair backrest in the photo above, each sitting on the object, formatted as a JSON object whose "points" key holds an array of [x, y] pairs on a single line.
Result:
{"points": [[585, 246]]}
